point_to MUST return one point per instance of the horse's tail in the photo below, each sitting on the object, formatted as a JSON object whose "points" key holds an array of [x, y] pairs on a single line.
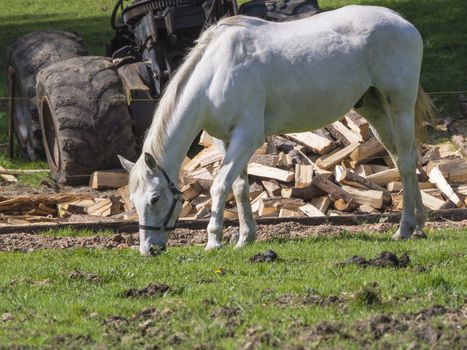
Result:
{"points": [[425, 111]]}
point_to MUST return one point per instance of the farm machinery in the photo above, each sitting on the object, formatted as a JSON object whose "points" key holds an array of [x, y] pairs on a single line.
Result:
{"points": [[80, 111]]}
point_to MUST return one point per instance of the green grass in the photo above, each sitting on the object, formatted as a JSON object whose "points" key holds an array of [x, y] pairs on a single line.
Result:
{"points": [[51, 309], [441, 22]]}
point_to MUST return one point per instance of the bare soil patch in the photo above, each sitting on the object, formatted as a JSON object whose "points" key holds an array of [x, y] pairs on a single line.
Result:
{"points": [[26, 242], [384, 259], [154, 289]]}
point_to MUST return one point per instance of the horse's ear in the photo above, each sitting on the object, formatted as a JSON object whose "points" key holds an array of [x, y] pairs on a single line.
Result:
{"points": [[126, 164], [150, 161]]}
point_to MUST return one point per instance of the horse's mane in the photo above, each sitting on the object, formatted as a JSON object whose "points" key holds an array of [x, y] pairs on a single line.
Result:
{"points": [[156, 136]]}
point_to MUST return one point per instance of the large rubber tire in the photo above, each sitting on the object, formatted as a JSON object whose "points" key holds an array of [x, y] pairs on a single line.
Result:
{"points": [[84, 118], [26, 56]]}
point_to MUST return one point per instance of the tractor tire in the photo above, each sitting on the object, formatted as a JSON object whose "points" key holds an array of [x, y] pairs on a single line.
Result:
{"points": [[26, 56], [84, 118]]}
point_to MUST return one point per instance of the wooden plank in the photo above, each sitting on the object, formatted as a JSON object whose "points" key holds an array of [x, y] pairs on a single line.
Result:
{"points": [[108, 179], [303, 175], [312, 141], [437, 178], [328, 161], [264, 171]]}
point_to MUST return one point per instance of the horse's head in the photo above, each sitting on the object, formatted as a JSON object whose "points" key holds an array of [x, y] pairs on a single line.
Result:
{"points": [[157, 201]]}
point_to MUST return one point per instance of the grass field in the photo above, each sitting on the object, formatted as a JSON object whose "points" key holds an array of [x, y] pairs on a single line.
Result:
{"points": [[76, 298]]}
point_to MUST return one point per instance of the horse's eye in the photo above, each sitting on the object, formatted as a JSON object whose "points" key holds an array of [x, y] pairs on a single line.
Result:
{"points": [[154, 199]]}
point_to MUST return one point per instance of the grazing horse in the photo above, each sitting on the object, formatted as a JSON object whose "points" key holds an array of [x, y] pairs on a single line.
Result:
{"points": [[247, 78]]}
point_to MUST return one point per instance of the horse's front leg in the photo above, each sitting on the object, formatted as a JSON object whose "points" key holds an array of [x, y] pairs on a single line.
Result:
{"points": [[241, 147]]}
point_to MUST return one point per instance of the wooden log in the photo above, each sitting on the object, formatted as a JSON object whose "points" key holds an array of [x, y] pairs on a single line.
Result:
{"points": [[124, 193], [322, 203], [278, 203], [430, 154], [453, 170], [230, 214], [437, 178], [369, 197], [331, 188], [205, 139], [366, 151], [382, 178], [343, 134], [206, 155], [7, 177], [364, 208], [287, 213], [255, 190], [282, 144], [311, 211], [262, 150], [263, 171], [364, 170], [328, 161], [256, 202], [4, 171], [202, 176], [108, 179], [307, 193], [396, 186], [104, 207], [358, 125], [187, 209], [272, 188], [346, 177], [303, 175], [191, 190], [431, 202], [312, 141], [266, 208], [271, 160], [78, 207]]}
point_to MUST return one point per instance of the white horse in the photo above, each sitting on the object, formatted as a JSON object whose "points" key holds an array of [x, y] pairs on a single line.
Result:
{"points": [[247, 78]]}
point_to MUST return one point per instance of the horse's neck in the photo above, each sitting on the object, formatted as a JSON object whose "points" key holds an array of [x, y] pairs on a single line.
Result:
{"points": [[182, 130]]}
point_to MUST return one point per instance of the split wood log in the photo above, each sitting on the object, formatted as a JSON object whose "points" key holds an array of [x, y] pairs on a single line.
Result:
{"points": [[431, 202], [124, 193], [346, 177], [230, 214], [312, 141], [282, 144], [340, 132], [263, 149], [437, 178], [108, 179], [382, 178], [358, 125], [293, 157], [287, 213], [271, 160], [263, 171], [191, 190], [377, 168], [364, 170], [272, 188], [311, 211], [396, 186], [78, 207], [366, 151], [322, 203], [277, 203], [367, 209], [256, 202], [255, 190], [454, 170], [104, 207], [205, 139], [430, 154], [303, 175], [307, 193], [330, 160], [187, 209], [344, 199], [206, 155], [202, 176], [369, 197]]}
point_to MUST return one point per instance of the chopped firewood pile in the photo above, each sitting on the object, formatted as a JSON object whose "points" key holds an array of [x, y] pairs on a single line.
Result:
{"points": [[339, 169]]}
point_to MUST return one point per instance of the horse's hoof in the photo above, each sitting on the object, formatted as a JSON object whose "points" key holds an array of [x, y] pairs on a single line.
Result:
{"points": [[213, 245], [419, 234], [400, 237]]}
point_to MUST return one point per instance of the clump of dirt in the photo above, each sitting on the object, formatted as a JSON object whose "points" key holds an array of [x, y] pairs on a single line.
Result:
{"points": [[153, 289], [87, 276], [268, 256], [256, 337], [228, 318], [370, 294], [384, 259], [310, 299]]}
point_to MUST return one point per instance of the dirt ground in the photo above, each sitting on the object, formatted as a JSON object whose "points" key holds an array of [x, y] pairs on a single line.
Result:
{"points": [[25, 242]]}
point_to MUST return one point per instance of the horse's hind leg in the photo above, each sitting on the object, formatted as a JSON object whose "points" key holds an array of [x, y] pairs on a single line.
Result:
{"points": [[241, 191], [392, 117]]}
